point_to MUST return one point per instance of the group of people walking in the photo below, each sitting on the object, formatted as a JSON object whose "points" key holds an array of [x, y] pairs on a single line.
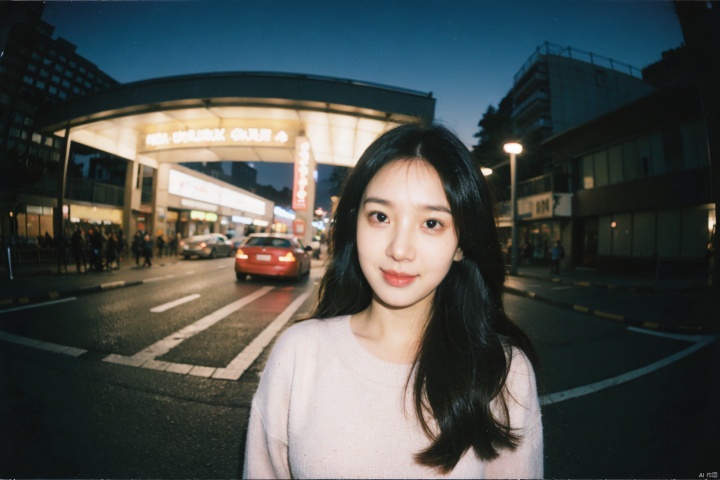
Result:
{"points": [[97, 250]]}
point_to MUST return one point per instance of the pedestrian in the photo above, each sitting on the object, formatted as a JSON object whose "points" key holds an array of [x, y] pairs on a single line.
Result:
{"points": [[556, 254], [137, 247], [174, 240], [410, 366], [147, 247], [122, 246], [111, 251], [160, 245], [96, 248], [77, 243]]}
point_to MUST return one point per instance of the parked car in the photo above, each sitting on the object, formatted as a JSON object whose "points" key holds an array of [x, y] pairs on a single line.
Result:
{"points": [[272, 254], [206, 246]]}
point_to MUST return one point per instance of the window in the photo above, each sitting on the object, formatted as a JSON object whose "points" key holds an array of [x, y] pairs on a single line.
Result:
{"points": [[668, 233], [672, 147], [631, 162], [643, 239], [601, 168], [615, 164], [622, 234], [587, 172]]}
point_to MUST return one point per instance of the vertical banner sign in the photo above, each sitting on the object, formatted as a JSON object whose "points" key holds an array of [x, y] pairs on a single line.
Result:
{"points": [[302, 175]]}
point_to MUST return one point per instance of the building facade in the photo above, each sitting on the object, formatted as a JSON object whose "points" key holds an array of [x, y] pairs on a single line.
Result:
{"points": [[36, 71], [556, 89], [642, 200]]}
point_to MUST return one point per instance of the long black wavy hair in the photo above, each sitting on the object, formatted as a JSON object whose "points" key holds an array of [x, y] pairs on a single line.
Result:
{"points": [[465, 352]]}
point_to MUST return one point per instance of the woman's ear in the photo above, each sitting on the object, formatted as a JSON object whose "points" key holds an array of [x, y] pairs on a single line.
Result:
{"points": [[458, 255]]}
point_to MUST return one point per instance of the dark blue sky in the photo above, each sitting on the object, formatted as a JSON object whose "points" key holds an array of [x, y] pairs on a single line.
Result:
{"points": [[465, 52]]}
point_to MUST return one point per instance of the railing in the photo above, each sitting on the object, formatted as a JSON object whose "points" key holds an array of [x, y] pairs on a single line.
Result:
{"points": [[81, 189], [548, 48]]}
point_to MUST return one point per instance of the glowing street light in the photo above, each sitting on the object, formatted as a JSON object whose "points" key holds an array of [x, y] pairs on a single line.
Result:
{"points": [[486, 171], [513, 149]]}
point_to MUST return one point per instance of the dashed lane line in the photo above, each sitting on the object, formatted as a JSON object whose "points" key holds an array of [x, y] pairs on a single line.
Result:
{"points": [[175, 303]]}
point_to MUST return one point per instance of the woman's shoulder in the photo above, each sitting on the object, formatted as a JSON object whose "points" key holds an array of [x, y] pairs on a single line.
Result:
{"points": [[306, 333]]}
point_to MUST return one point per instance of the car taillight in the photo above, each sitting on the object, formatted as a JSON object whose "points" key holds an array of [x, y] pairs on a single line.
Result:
{"points": [[288, 257], [203, 244], [239, 254], [182, 243]]}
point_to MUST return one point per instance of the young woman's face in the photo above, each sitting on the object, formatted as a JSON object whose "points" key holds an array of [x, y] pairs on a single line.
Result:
{"points": [[405, 234]]}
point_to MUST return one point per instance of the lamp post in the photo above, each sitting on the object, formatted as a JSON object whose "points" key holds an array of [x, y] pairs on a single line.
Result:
{"points": [[513, 149]]}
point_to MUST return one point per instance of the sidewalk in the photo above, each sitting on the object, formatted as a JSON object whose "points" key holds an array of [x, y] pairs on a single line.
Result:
{"points": [[686, 306]]}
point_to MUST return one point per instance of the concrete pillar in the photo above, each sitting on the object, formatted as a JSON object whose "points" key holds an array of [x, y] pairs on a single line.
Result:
{"points": [[160, 199], [132, 196], [61, 184]]}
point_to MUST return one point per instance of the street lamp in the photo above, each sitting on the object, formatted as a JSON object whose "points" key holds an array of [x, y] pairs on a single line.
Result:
{"points": [[513, 149]]}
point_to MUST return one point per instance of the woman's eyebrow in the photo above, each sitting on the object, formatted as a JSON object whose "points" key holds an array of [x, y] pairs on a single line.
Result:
{"points": [[433, 208]]}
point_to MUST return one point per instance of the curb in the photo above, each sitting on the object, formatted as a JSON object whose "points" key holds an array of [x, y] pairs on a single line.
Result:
{"points": [[686, 329], [610, 286], [19, 301]]}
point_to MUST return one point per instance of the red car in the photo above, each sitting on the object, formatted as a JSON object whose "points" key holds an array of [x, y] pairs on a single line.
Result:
{"points": [[273, 255]]}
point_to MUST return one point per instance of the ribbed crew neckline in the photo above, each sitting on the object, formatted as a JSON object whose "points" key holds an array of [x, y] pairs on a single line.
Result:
{"points": [[355, 356]]}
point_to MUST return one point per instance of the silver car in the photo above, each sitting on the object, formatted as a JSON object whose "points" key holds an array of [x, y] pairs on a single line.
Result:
{"points": [[207, 246]]}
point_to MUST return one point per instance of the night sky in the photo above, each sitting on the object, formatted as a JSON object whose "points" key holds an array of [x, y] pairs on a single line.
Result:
{"points": [[464, 52]]}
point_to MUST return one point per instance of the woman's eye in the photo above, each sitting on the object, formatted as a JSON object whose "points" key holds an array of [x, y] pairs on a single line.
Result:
{"points": [[432, 224], [378, 217]]}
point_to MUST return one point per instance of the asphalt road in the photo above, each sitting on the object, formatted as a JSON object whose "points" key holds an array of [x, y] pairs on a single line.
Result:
{"points": [[156, 379]]}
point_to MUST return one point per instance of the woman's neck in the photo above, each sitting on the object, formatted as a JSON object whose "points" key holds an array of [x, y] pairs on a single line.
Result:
{"points": [[390, 334]]}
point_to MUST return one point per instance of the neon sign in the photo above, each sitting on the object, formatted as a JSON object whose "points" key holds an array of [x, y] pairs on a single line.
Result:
{"points": [[215, 135], [302, 173]]}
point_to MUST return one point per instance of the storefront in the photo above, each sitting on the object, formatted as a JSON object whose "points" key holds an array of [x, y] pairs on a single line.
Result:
{"points": [[198, 204]]}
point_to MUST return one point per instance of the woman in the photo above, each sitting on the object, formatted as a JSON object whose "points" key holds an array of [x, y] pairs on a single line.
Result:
{"points": [[410, 366]]}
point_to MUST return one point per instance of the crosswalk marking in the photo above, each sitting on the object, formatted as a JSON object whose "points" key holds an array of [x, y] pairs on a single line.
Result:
{"points": [[252, 351], [163, 346]]}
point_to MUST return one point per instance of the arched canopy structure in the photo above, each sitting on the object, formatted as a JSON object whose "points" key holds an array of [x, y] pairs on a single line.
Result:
{"points": [[241, 116], [338, 117]]}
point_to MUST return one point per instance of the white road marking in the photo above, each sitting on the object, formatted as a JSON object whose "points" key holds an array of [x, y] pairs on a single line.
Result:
{"points": [[625, 377], [49, 346], [671, 336], [174, 339], [44, 304], [175, 303], [252, 351], [155, 279]]}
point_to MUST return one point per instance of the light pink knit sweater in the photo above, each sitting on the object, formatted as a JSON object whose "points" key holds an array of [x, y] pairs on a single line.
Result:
{"points": [[327, 408]]}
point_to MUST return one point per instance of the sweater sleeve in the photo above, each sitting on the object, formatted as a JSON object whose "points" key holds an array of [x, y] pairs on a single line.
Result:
{"points": [[526, 461], [266, 449]]}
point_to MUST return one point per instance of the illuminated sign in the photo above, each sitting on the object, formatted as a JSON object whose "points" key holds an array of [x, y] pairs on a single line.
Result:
{"points": [[302, 175], [194, 188], [225, 136], [204, 216]]}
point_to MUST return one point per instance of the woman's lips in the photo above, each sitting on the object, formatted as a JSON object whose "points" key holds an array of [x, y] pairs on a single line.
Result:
{"points": [[397, 279]]}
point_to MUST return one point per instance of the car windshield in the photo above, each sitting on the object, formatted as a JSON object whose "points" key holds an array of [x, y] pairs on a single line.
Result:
{"points": [[268, 242]]}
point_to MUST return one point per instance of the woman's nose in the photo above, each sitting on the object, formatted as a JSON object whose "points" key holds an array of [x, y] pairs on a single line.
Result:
{"points": [[401, 246]]}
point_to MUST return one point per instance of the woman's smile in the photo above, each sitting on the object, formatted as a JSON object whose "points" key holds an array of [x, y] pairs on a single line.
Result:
{"points": [[397, 279]]}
